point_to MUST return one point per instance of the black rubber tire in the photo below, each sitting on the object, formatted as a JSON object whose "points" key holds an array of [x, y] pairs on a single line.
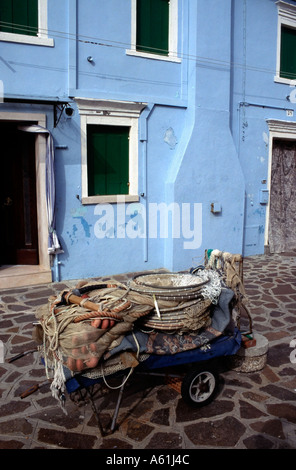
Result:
{"points": [[199, 387]]}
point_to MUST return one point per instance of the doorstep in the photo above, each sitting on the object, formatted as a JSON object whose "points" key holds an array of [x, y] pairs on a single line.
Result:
{"points": [[24, 275]]}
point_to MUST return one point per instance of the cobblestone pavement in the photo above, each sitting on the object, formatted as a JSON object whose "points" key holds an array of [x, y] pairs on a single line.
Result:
{"points": [[255, 410]]}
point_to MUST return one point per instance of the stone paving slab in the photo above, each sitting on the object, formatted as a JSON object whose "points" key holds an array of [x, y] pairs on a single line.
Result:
{"points": [[254, 410]]}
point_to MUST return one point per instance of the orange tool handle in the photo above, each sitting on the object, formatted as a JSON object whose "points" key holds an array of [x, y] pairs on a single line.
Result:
{"points": [[29, 391]]}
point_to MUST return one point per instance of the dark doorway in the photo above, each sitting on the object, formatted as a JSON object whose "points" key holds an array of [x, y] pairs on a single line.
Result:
{"points": [[18, 206]]}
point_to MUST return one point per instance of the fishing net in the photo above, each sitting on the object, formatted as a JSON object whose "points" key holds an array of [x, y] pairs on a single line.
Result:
{"points": [[192, 295], [79, 326], [71, 330]]}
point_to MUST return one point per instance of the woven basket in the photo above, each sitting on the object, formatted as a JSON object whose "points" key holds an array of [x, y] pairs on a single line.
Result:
{"points": [[191, 311]]}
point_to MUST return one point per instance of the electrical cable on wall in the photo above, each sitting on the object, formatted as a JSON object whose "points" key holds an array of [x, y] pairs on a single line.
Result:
{"points": [[121, 45]]}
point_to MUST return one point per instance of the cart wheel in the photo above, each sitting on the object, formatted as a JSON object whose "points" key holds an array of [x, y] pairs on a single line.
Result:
{"points": [[199, 387]]}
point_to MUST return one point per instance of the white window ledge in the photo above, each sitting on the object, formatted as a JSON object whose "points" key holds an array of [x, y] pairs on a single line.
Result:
{"points": [[25, 39], [286, 81], [110, 199], [147, 55]]}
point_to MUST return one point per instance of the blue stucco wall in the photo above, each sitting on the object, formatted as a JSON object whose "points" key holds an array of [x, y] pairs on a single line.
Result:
{"points": [[253, 72], [201, 145], [39, 71], [209, 170]]}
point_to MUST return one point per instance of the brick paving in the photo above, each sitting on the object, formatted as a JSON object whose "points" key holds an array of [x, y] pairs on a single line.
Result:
{"points": [[255, 410]]}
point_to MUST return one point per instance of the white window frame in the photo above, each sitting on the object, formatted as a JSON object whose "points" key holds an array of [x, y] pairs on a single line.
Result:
{"points": [[173, 34], [110, 113], [286, 17], [41, 39]]}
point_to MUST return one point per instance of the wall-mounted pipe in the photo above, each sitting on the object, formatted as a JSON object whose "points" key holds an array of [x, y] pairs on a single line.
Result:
{"points": [[56, 270], [146, 113], [260, 105]]}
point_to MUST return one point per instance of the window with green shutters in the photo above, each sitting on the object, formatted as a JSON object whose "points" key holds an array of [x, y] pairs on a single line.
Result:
{"points": [[153, 26], [109, 150], [286, 43], [19, 17], [288, 53], [107, 159]]}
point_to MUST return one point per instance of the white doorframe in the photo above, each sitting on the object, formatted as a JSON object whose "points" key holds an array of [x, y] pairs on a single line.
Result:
{"points": [[16, 276]]}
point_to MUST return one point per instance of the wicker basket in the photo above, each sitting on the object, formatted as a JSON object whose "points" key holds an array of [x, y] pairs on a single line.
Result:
{"points": [[189, 309]]}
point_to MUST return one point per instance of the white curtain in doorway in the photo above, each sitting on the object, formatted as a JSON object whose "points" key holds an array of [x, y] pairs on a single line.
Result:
{"points": [[54, 246], [282, 220]]}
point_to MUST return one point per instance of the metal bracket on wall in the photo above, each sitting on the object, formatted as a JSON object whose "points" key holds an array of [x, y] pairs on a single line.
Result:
{"points": [[58, 108]]}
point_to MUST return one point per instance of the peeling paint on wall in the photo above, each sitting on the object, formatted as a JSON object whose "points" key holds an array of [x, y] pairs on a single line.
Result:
{"points": [[79, 213], [170, 138], [72, 235], [265, 138]]}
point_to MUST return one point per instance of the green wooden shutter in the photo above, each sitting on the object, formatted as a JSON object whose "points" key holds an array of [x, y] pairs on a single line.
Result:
{"points": [[19, 16], [288, 53], [6, 23], [107, 159], [153, 26]]}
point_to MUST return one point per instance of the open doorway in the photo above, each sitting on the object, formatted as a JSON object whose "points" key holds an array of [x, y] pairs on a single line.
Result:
{"points": [[18, 205], [24, 258]]}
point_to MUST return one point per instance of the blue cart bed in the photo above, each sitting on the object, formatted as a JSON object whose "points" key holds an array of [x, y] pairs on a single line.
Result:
{"points": [[198, 385]]}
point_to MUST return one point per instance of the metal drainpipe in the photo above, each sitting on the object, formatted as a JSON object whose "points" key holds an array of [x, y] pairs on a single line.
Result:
{"points": [[143, 139], [56, 270]]}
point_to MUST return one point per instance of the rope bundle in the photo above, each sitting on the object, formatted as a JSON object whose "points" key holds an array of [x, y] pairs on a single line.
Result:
{"points": [[73, 322], [166, 301]]}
